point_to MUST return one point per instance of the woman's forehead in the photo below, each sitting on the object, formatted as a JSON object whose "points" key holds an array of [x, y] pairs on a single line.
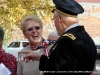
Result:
{"points": [[31, 22]]}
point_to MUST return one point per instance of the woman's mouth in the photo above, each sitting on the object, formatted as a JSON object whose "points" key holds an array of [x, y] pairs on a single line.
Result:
{"points": [[35, 36]]}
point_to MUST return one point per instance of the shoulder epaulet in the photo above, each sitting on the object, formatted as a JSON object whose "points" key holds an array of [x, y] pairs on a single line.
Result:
{"points": [[70, 36]]}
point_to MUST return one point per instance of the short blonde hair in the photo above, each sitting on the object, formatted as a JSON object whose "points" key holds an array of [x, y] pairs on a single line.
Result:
{"points": [[32, 18]]}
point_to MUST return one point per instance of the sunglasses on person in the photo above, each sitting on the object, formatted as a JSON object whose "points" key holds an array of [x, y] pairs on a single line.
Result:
{"points": [[36, 28]]}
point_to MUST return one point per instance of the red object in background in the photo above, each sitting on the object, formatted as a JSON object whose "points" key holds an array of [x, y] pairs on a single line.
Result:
{"points": [[9, 61]]}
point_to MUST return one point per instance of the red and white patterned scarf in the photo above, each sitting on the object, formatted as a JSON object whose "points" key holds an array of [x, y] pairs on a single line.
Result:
{"points": [[9, 61], [43, 45]]}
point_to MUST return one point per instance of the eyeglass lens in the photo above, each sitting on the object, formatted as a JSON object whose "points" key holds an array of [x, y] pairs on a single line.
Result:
{"points": [[31, 28]]}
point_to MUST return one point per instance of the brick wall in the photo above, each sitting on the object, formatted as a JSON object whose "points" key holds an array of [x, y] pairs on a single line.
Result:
{"points": [[91, 19]]}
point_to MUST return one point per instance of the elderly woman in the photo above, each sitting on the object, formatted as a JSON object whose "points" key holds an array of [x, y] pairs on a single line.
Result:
{"points": [[32, 29]]}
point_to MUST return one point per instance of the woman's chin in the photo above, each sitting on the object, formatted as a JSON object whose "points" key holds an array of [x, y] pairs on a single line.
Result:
{"points": [[37, 42]]}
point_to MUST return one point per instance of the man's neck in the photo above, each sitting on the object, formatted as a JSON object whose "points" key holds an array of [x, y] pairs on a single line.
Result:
{"points": [[72, 26]]}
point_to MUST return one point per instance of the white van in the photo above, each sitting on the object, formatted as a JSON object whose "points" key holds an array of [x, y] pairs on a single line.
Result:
{"points": [[16, 46], [98, 47]]}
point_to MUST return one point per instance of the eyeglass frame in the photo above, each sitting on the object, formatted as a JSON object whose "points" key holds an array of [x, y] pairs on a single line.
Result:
{"points": [[33, 28]]}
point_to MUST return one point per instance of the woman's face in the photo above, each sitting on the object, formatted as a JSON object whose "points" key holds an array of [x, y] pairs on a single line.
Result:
{"points": [[33, 32]]}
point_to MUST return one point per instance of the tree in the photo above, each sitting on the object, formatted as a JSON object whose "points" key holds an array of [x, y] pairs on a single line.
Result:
{"points": [[12, 11]]}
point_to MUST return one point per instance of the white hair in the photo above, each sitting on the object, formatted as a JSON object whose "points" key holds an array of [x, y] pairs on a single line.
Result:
{"points": [[53, 36], [32, 18]]}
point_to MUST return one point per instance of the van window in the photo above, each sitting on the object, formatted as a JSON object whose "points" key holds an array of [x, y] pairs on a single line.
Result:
{"points": [[25, 44], [98, 47], [15, 44]]}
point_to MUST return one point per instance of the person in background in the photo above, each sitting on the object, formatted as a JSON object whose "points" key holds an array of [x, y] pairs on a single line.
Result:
{"points": [[7, 59], [75, 51], [32, 28], [53, 36]]}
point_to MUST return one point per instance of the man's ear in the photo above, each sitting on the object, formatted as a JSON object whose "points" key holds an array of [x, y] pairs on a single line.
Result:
{"points": [[59, 18]]}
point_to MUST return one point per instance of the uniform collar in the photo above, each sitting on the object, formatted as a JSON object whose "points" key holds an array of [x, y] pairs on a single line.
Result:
{"points": [[72, 26]]}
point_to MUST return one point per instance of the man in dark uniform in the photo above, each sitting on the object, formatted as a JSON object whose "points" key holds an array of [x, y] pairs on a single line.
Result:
{"points": [[74, 52]]}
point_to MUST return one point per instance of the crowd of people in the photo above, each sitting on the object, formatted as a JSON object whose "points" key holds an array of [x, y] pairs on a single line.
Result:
{"points": [[67, 51]]}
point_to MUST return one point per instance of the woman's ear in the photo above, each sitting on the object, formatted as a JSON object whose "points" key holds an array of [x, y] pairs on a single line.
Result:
{"points": [[24, 34]]}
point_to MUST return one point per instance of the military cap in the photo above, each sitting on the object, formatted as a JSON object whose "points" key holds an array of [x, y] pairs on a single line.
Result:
{"points": [[68, 7], [1, 33]]}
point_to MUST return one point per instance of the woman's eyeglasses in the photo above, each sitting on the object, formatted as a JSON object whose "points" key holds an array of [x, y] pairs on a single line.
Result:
{"points": [[36, 28]]}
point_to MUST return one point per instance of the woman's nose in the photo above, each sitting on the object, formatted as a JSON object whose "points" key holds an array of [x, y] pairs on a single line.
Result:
{"points": [[34, 30]]}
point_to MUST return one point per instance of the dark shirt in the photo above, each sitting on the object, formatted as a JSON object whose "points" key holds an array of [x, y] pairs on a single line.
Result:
{"points": [[9, 61], [73, 51]]}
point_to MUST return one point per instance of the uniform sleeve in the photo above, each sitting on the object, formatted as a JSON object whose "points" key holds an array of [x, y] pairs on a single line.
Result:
{"points": [[66, 55], [42, 63], [19, 65]]}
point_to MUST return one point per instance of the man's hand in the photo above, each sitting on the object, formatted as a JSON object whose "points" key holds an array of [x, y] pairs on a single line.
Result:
{"points": [[30, 55]]}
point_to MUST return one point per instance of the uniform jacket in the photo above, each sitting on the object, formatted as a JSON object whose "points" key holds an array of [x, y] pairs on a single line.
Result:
{"points": [[73, 53]]}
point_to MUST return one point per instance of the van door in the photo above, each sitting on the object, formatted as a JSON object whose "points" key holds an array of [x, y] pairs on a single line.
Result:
{"points": [[14, 48]]}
